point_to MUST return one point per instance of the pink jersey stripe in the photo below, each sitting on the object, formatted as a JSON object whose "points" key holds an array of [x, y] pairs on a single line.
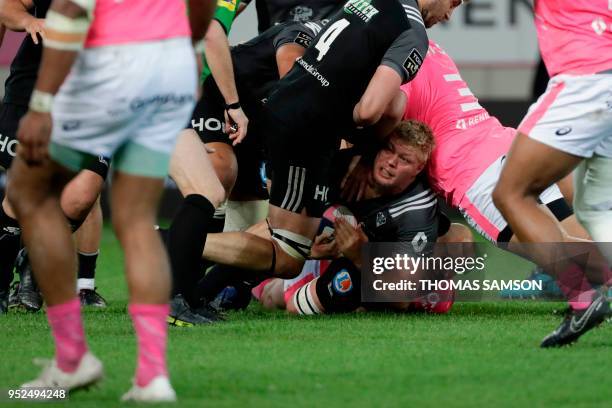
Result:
{"points": [[534, 117]]}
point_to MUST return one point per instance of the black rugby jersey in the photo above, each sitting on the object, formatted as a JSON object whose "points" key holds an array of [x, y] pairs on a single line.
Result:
{"points": [[324, 85], [24, 68], [412, 214], [254, 61]]}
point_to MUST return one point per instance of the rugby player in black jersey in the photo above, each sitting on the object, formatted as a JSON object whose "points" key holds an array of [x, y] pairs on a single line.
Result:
{"points": [[347, 78], [257, 65], [80, 195], [397, 206]]}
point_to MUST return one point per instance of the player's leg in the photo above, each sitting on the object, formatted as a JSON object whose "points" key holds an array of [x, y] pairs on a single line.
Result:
{"points": [[88, 239], [565, 126], [271, 296], [81, 203], [337, 290], [192, 170], [593, 200], [10, 232], [35, 193], [529, 169]]}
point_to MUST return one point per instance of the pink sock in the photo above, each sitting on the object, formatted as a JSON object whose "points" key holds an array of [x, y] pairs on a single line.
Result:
{"points": [[576, 287], [151, 333], [257, 291], [67, 328]]}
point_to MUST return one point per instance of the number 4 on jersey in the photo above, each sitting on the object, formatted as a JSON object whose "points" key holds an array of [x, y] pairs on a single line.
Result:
{"points": [[329, 36]]}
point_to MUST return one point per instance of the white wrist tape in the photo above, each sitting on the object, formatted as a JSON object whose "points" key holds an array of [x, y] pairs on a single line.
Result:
{"points": [[65, 33], [41, 101]]}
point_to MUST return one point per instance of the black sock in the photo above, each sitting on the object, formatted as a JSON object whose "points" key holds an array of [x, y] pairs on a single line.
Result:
{"points": [[186, 239], [221, 276], [87, 265], [10, 235], [216, 225]]}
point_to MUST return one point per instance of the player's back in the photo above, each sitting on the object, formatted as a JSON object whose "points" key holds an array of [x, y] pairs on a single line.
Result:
{"points": [[575, 37], [254, 61], [134, 21], [467, 138], [325, 84]]}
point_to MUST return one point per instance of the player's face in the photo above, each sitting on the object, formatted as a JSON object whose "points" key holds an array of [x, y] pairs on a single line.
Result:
{"points": [[396, 166], [435, 11]]}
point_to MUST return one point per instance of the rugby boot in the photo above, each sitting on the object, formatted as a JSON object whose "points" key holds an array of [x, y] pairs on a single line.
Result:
{"points": [[28, 295], [158, 390], [182, 315], [88, 372], [90, 297], [4, 297], [578, 322]]}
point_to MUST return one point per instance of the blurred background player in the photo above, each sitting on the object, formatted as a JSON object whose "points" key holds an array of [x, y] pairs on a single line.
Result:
{"points": [[81, 194], [569, 127], [131, 91]]}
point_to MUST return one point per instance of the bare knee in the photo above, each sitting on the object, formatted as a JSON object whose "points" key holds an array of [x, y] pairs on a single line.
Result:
{"points": [[225, 165]]}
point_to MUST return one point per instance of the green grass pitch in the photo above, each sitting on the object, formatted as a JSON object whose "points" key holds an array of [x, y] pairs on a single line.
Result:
{"points": [[478, 355]]}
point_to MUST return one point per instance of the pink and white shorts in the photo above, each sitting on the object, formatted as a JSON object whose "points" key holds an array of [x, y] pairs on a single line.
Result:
{"points": [[574, 115]]}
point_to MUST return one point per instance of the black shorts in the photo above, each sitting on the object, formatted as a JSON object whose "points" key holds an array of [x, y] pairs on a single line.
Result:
{"points": [[208, 120], [300, 166], [10, 115]]}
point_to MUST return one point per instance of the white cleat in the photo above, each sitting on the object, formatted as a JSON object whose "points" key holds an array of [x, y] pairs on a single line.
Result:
{"points": [[158, 390], [89, 372]]}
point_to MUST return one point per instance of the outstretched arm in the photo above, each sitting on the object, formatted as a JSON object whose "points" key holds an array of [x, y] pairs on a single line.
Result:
{"points": [[66, 27], [14, 16], [219, 58]]}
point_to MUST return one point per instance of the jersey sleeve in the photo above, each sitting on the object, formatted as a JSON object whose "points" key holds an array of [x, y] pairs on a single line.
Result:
{"points": [[225, 13], [297, 33], [407, 52]]}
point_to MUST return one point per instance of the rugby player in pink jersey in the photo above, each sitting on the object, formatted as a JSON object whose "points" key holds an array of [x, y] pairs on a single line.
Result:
{"points": [[127, 74], [569, 127], [471, 149]]}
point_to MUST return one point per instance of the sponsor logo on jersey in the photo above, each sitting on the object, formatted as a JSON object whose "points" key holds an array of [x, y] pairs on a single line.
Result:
{"points": [[381, 219], [8, 145], [160, 100], [563, 131], [313, 71], [228, 4], [599, 26], [361, 8], [343, 282], [301, 13], [303, 39], [413, 62], [321, 193], [419, 242]]}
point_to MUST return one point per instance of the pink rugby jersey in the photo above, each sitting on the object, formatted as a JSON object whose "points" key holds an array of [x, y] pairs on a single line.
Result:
{"points": [[575, 36], [132, 21], [468, 139]]}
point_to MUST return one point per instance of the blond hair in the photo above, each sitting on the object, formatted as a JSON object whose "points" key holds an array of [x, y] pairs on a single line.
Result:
{"points": [[415, 134]]}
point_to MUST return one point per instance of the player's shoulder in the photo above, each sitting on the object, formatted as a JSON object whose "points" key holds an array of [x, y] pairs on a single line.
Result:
{"points": [[301, 33]]}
